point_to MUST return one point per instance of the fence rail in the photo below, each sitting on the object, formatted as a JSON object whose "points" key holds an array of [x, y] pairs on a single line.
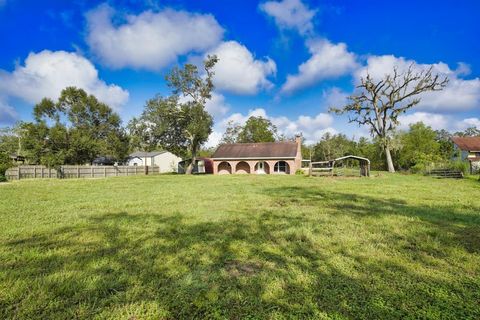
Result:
{"points": [[69, 172]]}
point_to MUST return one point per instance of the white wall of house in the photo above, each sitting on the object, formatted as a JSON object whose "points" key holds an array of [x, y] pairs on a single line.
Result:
{"points": [[135, 162], [167, 161]]}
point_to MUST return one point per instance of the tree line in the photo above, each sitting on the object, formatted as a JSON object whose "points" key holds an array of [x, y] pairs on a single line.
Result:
{"points": [[77, 127]]}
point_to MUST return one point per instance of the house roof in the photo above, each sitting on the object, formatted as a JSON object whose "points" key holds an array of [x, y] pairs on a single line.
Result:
{"points": [[467, 143], [143, 154], [256, 150]]}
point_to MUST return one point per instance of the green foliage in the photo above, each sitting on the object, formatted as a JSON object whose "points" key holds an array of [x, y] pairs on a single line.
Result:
{"points": [[378, 103], [462, 166], [243, 247], [9, 144], [74, 130], [469, 132], [333, 146], [447, 150], [420, 148], [180, 127], [161, 126], [255, 129], [231, 133]]}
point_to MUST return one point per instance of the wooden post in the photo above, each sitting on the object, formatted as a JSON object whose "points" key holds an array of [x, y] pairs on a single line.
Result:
{"points": [[146, 170], [78, 172], [104, 172], [18, 173], [310, 168], [49, 172], [91, 172]]}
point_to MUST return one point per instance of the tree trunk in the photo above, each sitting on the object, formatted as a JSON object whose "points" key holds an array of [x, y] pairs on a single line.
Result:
{"points": [[192, 164], [390, 166]]}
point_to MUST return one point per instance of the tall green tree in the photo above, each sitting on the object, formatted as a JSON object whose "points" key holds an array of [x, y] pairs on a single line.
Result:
{"points": [[231, 133], [419, 147], [444, 139], [180, 122], [333, 146], [255, 129], [258, 129], [469, 132], [9, 144], [75, 129], [379, 102]]}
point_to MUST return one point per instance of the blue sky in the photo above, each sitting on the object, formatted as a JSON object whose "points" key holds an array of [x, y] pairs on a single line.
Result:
{"points": [[286, 60]]}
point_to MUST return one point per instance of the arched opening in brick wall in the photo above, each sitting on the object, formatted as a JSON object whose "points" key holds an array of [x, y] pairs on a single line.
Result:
{"points": [[224, 168], [281, 167], [261, 167], [242, 168]]}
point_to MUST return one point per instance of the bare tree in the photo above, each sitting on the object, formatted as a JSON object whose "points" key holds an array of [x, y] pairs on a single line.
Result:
{"points": [[378, 103]]}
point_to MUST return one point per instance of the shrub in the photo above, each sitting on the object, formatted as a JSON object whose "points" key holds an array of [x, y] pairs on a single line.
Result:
{"points": [[3, 168], [462, 166], [299, 172]]}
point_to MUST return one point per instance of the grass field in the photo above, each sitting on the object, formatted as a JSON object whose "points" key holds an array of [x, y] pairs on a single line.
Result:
{"points": [[240, 247]]}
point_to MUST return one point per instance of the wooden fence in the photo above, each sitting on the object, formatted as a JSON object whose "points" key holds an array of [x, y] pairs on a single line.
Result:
{"points": [[68, 172]]}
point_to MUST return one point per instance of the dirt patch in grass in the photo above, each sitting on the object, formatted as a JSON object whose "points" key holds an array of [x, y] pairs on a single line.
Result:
{"points": [[237, 269]]}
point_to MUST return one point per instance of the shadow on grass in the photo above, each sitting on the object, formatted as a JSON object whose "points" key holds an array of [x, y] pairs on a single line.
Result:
{"points": [[262, 265]]}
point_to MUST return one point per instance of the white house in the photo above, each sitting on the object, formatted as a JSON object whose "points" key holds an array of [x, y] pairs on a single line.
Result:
{"points": [[167, 161]]}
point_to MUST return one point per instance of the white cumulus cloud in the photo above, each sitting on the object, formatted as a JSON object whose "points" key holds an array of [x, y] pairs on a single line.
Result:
{"points": [[311, 127], [46, 73], [8, 115], [239, 72], [290, 14], [328, 60], [434, 120], [468, 123], [460, 94], [217, 106], [150, 40]]}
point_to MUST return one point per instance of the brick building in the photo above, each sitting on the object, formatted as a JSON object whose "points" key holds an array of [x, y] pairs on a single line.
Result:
{"points": [[258, 158]]}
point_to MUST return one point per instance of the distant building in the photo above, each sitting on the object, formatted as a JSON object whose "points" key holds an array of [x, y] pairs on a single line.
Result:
{"points": [[469, 148], [167, 161], [17, 159], [258, 158], [104, 161], [202, 165]]}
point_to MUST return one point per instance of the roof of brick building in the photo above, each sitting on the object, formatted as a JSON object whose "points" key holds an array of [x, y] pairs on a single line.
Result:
{"points": [[467, 143], [256, 150]]}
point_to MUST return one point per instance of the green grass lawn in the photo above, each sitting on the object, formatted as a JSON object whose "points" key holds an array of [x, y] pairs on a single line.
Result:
{"points": [[240, 247]]}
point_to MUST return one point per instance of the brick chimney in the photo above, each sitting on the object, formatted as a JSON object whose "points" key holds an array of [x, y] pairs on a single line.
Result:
{"points": [[298, 157], [298, 139]]}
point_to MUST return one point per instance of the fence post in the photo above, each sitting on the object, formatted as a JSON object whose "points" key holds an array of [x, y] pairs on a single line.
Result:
{"points": [[146, 170], [104, 172], [18, 173], [78, 172], [91, 171]]}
